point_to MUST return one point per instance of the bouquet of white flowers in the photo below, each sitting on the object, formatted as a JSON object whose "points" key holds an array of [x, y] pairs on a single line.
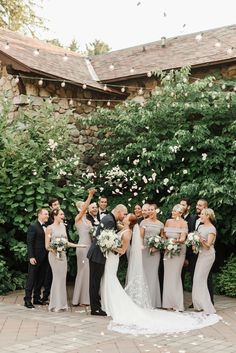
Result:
{"points": [[155, 241], [59, 245], [171, 248], [193, 239], [108, 240]]}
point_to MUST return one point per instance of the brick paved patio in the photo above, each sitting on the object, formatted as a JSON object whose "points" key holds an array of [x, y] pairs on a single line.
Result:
{"points": [[24, 330]]}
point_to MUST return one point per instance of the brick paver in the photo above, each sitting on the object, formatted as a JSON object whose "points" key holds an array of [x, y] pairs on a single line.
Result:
{"points": [[38, 331]]}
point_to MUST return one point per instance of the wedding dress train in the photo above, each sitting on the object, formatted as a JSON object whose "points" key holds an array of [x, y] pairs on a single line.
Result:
{"points": [[127, 317]]}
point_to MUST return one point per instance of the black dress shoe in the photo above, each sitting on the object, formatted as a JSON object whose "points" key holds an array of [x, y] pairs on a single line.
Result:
{"points": [[191, 306], [39, 302], [98, 313], [29, 305]]}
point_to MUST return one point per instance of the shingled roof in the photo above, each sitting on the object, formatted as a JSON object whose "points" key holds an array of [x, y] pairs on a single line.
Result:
{"points": [[76, 69], [178, 52]]}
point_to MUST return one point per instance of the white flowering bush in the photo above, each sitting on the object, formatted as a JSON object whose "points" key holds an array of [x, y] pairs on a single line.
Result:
{"points": [[38, 162], [179, 143]]}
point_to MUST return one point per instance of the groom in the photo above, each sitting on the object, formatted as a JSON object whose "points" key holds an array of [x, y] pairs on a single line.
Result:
{"points": [[97, 259]]}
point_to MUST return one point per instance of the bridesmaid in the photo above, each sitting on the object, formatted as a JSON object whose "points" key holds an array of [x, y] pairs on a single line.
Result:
{"points": [[206, 257], [58, 294], [84, 228], [175, 228], [149, 227]]}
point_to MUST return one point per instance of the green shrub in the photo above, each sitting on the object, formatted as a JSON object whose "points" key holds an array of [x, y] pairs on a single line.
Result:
{"points": [[226, 279]]}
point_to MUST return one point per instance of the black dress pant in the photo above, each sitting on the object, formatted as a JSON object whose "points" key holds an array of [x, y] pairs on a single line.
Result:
{"points": [[47, 282], [95, 275], [35, 279]]}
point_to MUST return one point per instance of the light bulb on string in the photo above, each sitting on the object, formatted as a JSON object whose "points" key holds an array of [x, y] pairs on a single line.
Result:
{"points": [[50, 100], [28, 99], [65, 57], [108, 103], [84, 86], [218, 44], [149, 74], [7, 45], [63, 84], [140, 91], [131, 70], [36, 52], [40, 82], [122, 89], [229, 51], [71, 102], [89, 102], [105, 87], [17, 79], [198, 37], [111, 67]]}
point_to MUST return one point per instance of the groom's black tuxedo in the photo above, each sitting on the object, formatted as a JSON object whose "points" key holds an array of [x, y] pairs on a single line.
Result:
{"points": [[37, 250], [97, 263]]}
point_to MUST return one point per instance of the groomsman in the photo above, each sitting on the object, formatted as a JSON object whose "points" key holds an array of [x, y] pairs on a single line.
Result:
{"points": [[38, 258], [97, 259], [190, 256], [102, 207]]}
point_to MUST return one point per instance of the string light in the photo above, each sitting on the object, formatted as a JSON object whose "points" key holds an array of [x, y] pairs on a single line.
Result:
{"points": [[17, 79], [63, 84], [84, 86], [7, 46], [122, 89], [36, 52], [108, 103], [140, 91], [105, 87], [198, 37], [111, 67], [131, 70], [65, 57], [149, 74], [89, 102], [217, 44], [40, 82], [71, 101], [229, 51]]}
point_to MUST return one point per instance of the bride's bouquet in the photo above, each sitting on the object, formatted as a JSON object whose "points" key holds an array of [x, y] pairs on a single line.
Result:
{"points": [[108, 240], [171, 248], [193, 239], [59, 245], [155, 241]]}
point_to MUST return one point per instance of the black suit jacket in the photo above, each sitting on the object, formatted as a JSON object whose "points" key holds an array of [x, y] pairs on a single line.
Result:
{"points": [[36, 241], [99, 214], [92, 219], [94, 253]]}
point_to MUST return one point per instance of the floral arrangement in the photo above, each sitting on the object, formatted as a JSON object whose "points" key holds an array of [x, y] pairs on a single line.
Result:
{"points": [[193, 239], [59, 245], [108, 240], [171, 248], [155, 241]]}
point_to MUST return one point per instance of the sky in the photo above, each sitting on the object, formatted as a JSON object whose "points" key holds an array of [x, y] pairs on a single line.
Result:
{"points": [[126, 23]]}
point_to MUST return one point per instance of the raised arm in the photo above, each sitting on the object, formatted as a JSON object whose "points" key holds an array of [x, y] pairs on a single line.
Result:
{"points": [[84, 208]]}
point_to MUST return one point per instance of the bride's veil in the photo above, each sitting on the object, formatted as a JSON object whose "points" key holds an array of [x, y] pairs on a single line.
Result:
{"points": [[136, 286]]}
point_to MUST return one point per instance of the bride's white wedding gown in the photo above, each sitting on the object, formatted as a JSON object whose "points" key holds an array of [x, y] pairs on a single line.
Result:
{"points": [[130, 318]]}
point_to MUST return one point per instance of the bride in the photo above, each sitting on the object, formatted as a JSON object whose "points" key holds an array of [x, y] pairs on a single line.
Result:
{"points": [[127, 316]]}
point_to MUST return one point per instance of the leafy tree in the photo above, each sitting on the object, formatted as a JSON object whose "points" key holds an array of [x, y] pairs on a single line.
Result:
{"points": [[38, 161], [54, 41], [180, 142], [74, 46], [20, 15], [97, 47]]}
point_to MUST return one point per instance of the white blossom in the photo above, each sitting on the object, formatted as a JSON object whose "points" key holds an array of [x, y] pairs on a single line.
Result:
{"points": [[136, 161], [171, 187], [76, 163], [185, 171], [154, 176], [157, 191], [145, 179], [204, 156], [102, 154], [52, 144], [165, 181], [135, 193], [34, 172]]}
